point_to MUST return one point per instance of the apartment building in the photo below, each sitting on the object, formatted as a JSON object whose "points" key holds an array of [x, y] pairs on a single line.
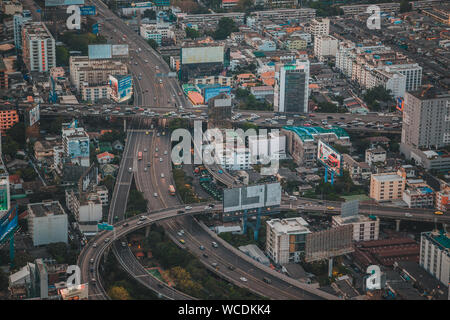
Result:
{"points": [[283, 15], [362, 8], [364, 228], [357, 170], [75, 142], [286, 239], [319, 26], [47, 223], [156, 32], [420, 197], [426, 120], [93, 72], [11, 7], [220, 80], [94, 93], [325, 46], [8, 118], [386, 186], [435, 255], [86, 207], [374, 155], [18, 21], [38, 47]]}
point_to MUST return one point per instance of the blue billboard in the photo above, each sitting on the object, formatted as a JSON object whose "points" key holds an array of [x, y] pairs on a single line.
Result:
{"points": [[79, 148], [209, 93], [88, 10], [8, 223], [121, 87], [99, 51], [55, 3]]}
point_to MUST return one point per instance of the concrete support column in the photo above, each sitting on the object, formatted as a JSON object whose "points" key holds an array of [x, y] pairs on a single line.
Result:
{"points": [[124, 124], [397, 225], [330, 267], [147, 231]]}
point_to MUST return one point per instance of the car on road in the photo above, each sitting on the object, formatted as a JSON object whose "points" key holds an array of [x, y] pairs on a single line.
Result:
{"points": [[201, 248], [182, 241], [145, 149], [407, 214], [155, 195], [182, 231], [125, 224], [205, 255], [230, 267], [93, 281], [160, 159], [207, 208], [179, 234], [243, 279], [148, 164], [92, 260], [94, 245], [180, 211], [146, 132], [438, 212], [160, 285], [145, 169], [165, 152], [267, 280], [158, 134], [140, 222], [214, 264], [124, 244], [330, 208], [188, 207], [106, 240], [156, 149], [160, 80], [162, 175], [214, 244], [130, 170]]}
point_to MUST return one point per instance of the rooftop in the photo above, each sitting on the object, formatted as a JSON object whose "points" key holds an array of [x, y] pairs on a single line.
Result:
{"points": [[308, 133], [390, 176], [45, 208], [287, 226]]}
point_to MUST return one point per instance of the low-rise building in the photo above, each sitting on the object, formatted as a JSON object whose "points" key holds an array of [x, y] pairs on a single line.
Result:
{"points": [[374, 155], [364, 228], [386, 186], [47, 223], [105, 157], [286, 239], [422, 197]]}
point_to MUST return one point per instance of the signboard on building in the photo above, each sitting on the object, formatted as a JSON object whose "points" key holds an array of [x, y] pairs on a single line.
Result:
{"points": [[196, 55], [33, 115], [252, 197], [76, 292], [215, 91], [55, 3], [8, 223], [95, 28], [88, 11], [329, 157], [79, 148], [99, 51], [121, 87], [329, 243]]}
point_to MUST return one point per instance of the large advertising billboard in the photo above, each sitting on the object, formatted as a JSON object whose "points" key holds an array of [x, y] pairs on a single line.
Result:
{"points": [[8, 223], [33, 115], [329, 157], [329, 243], [119, 50], [79, 148], [99, 51], [121, 87], [215, 91], [202, 55], [251, 197]]}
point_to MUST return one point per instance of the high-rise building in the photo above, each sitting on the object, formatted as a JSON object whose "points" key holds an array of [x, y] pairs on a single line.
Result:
{"points": [[38, 47], [325, 46], [435, 255], [386, 186], [19, 20], [8, 118], [219, 111], [292, 87], [426, 119], [47, 222], [319, 26]]}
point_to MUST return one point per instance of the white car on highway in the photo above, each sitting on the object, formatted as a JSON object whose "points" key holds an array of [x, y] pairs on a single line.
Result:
{"points": [[188, 207], [243, 279]]}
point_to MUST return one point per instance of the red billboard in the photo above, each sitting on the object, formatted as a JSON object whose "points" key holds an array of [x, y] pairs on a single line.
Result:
{"points": [[329, 157]]}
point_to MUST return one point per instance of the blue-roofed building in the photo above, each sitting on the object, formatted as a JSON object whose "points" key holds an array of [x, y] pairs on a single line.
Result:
{"points": [[302, 142], [419, 197], [435, 255]]}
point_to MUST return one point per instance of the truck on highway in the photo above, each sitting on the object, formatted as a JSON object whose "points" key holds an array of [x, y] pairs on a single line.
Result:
{"points": [[140, 155], [171, 190]]}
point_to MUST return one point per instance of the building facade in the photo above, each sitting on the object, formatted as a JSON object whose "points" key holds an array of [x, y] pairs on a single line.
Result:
{"points": [[47, 223], [38, 47], [386, 186], [435, 255]]}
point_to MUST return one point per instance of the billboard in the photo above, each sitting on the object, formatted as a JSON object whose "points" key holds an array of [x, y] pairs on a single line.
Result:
{"points": [[33, 115], [349, 208], [215, 91], [400, 103], [88, 11], [251, 197], [55, 3], [8, 223], [121, 87], [202, 55], [99, 51], [329, 243], [119, 50], [79, 148], [329, 157]]}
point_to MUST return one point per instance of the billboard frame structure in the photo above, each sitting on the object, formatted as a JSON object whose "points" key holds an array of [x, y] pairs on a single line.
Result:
{"points": [[10, 231], [329, 243], [269, 199], [321, 145]]}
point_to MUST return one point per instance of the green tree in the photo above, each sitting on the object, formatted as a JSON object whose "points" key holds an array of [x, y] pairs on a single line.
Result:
{"points": [[108, 182], [192, 33], [225, 27], [153, 43], [405, 6], [62, 56], [3, 281], [118, 293]]}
